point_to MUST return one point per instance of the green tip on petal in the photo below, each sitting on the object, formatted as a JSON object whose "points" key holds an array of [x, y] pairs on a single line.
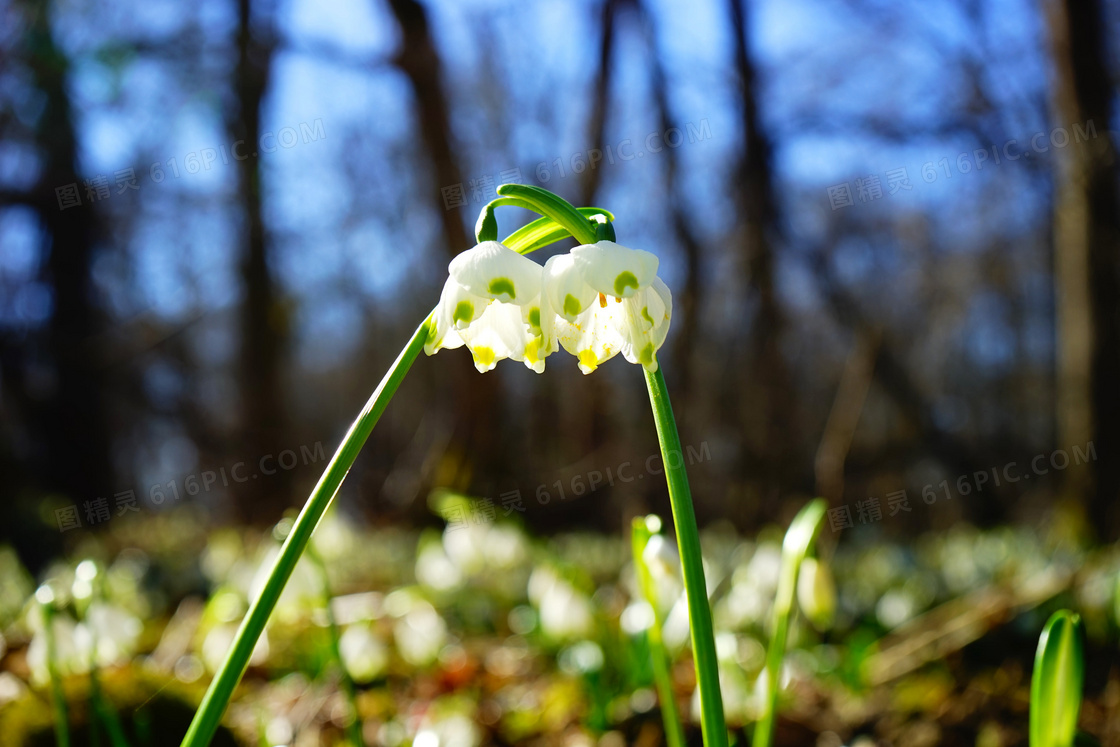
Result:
{"points": [[572, 306], [646, 356], [502, 286], [535, 317], [464, 312], [624, 280]]}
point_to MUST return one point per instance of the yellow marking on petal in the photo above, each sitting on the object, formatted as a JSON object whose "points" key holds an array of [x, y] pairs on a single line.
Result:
{"points": [[503, 287], [625, 279], [588, 361], [483, 356], [572, 306], [532, 350]]}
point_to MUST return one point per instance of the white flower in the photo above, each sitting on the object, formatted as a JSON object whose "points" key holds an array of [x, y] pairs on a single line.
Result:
{"points": [[491, 304], [603, 299]]}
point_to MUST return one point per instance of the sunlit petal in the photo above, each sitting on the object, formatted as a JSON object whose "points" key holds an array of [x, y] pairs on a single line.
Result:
{"points": [[615, 270], [496, 272]]}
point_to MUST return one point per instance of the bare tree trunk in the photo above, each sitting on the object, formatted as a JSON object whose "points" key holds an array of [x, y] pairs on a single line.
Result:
{"points": [[419, 61], [687, 302], [758, 208], [73, 416], [600, 100], [476, 396], [843, 418], [1086, 257], [264, 322]]}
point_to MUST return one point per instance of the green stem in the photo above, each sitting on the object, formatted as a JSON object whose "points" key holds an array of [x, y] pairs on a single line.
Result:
{"points": [[692, 565], [103, 710], [659, 657], [58, 697], [209, 714], [354, 728]]}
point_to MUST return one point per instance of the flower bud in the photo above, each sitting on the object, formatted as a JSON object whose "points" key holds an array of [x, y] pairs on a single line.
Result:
{"points": [[816, 593]]}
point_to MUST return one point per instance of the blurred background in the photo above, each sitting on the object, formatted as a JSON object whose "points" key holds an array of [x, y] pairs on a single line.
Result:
{"points": [[891, 231], [892, 234]]}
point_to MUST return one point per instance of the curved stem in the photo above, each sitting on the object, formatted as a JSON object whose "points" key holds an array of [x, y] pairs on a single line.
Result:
{"points": [[209, 714], [692, 565]]}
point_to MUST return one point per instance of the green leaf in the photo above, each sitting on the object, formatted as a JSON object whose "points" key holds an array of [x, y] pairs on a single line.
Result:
{"points": [[544, 231], [1059, 671]]}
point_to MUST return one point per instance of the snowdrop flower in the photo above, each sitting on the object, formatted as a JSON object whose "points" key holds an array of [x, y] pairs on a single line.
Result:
{"points": [[603, 299], [491, 303]]}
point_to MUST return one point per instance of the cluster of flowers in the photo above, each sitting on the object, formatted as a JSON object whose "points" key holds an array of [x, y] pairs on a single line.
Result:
{"points": [[597, 301]]}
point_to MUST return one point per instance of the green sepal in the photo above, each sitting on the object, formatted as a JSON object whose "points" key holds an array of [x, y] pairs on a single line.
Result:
{"points": [[486, 229], [604, 229]]}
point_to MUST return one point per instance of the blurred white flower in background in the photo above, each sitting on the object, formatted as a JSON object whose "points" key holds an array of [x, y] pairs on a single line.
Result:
{"points": [[363, 654], [565, 612], [419, 631]]}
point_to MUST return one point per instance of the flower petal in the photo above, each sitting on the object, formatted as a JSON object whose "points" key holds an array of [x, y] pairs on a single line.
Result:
{"points": [[498, 334], [562, 282], [615, 270], [647, 315], [595, 337], [443, 334], [496, 272]]}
